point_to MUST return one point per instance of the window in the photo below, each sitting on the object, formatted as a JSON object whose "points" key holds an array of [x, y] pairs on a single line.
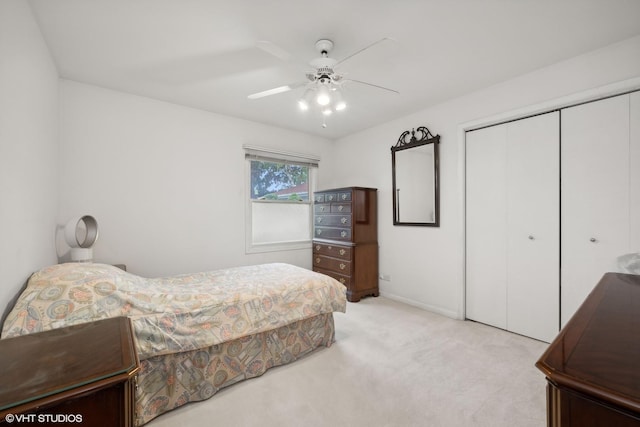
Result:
{"points": [[279, 208]]}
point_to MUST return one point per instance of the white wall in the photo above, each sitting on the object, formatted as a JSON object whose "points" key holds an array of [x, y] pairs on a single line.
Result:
{"points": [[426, 264], [28, 149], [166, 183]]}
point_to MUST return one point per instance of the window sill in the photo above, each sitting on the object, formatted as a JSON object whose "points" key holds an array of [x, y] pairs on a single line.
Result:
{"points": [[276, 247]]}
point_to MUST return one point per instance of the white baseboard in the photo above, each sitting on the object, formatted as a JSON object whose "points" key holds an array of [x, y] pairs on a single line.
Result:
{"points": [[427, 307]]}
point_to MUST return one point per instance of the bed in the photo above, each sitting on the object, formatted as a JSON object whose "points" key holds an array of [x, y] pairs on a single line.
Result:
{"points": [[195, 333]]}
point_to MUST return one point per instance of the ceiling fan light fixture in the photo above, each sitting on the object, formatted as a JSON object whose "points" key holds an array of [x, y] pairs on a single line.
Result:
{"points": [[323, 97], [305, 101], [338, 102]]}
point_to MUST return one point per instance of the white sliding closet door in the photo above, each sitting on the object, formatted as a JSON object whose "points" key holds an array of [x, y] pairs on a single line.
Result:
{"points": [[533, 242], [595, 195], [512, 226], [486, 232]]}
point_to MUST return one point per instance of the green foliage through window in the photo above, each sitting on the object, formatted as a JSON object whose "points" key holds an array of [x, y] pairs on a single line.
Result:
{"points": [[279, 181]]}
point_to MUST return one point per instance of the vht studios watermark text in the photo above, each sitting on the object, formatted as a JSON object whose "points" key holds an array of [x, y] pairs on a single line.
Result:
{"points": [[43, 418]]}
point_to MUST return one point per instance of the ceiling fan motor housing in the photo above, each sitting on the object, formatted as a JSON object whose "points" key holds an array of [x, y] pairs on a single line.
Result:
{"points": [[324, 46]]}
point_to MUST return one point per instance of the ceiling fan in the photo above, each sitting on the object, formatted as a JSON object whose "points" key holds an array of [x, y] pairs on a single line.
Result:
{"points": [[323, 83]]}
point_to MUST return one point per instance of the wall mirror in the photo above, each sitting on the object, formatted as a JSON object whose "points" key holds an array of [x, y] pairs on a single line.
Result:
{"points": [[416, 196]]}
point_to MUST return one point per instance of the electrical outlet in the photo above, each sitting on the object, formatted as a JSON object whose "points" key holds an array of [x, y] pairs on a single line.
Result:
{"points": [[385, 277]]}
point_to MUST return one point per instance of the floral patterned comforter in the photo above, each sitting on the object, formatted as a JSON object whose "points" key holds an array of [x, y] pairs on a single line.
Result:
{"points": [[178, 313]]}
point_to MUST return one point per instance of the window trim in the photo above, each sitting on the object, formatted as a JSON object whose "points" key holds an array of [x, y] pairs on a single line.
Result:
{"points": [[274, 155]]}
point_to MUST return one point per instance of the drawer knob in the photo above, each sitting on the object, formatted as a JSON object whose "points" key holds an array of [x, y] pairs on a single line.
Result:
{"points": [[318, 232], [319, 220], [343, 233], [344, 197], [317, 247], [342, 280], [317, 260], [343, 220], [531, 237], [593, 240], [340, 208], [330, 197], [329, 248], [342, 266], [342, 252], [321, 208]]}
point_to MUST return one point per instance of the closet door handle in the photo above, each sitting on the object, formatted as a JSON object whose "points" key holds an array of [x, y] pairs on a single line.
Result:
{"points": [[593, 240], [531, 237]]}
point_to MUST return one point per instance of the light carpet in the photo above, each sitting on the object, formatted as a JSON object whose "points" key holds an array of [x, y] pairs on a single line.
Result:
{"points": [[391, 365]]}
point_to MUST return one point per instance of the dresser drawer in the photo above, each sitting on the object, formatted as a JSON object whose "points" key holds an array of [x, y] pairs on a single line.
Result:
{"points": [[332, 233], [334, 220], [322, 208], [332, 264], [345, 280], [319, 198], [341, 252], [341, 207], [343, 196]]}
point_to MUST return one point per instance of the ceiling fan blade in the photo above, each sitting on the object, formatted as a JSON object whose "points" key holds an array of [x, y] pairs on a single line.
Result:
{"points": [[274, 50], [371, 84], [276, 90], [365, 48]]}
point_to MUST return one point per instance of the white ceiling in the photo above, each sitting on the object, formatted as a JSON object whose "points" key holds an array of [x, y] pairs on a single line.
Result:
{"points": [[204, 53]]}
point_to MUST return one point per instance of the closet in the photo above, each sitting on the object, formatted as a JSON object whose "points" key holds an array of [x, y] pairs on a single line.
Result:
{"points": [[512, 227], [551, 201]]}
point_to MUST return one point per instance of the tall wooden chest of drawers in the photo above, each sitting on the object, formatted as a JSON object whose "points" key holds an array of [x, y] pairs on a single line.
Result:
{"points": [[345, 238]]}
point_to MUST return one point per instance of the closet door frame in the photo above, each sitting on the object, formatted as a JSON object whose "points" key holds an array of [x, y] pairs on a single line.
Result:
{"points": [[607, 91]]}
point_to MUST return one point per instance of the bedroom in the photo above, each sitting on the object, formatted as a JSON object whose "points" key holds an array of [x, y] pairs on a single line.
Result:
{"points": [[140, 165]]}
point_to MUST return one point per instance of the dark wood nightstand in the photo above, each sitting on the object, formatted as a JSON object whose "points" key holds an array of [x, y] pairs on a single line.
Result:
{"points": [[77, 375]]}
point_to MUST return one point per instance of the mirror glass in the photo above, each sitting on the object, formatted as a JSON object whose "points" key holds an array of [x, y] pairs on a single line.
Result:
{"points": [[415, 182]]}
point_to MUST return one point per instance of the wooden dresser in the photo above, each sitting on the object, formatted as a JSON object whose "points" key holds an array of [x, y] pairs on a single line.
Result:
{"points": [[345, 238], [77, 375], [593, 365]]}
